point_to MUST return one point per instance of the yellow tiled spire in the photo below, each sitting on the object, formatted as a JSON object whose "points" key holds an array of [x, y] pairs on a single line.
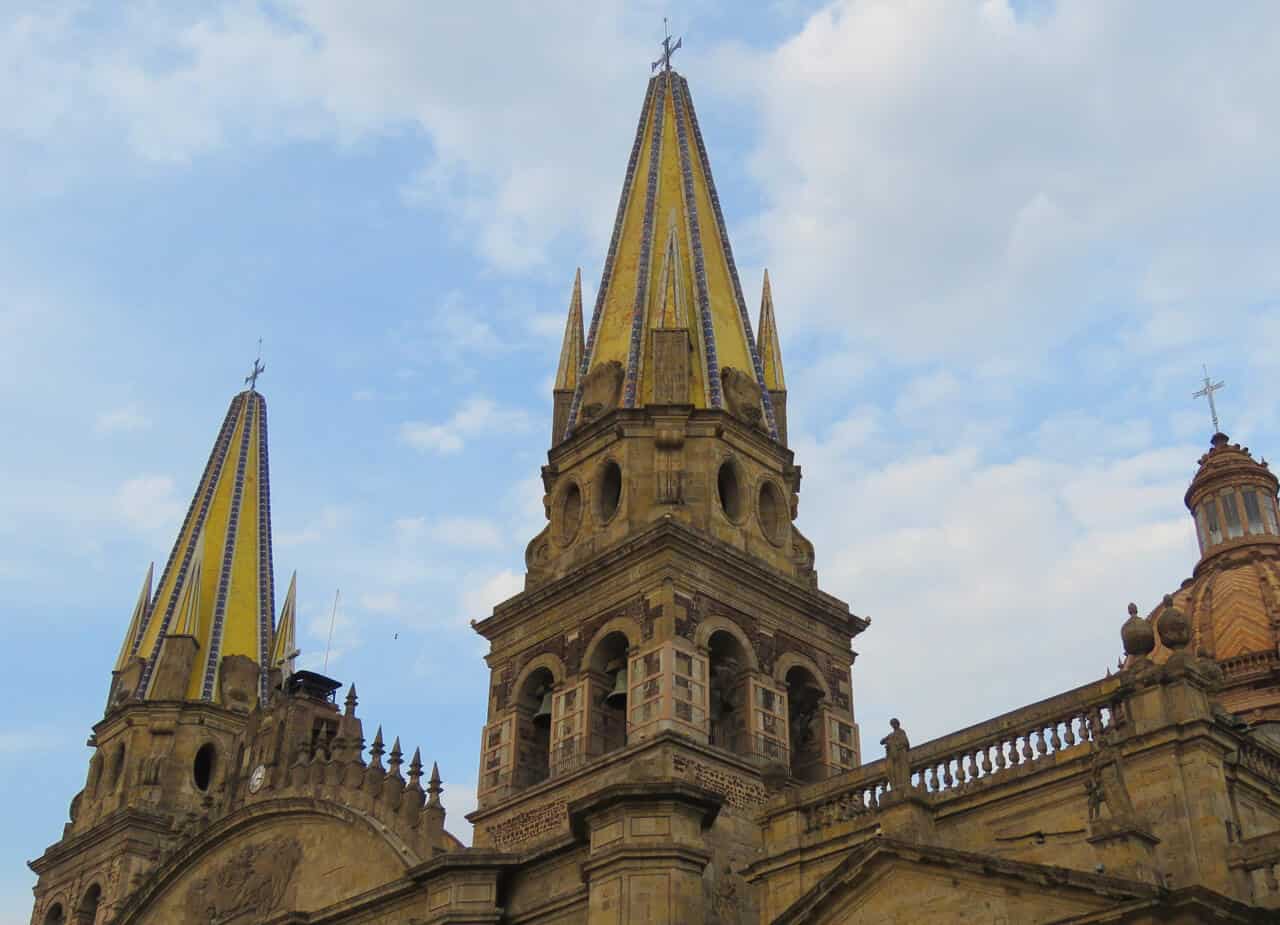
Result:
{"points": [[136, 621], [571, 348], [770, 345], [217, 585], [284, 648], [670, 245]]}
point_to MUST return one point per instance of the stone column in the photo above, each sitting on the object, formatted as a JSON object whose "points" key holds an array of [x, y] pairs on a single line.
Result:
{"points": [[646, 852]]}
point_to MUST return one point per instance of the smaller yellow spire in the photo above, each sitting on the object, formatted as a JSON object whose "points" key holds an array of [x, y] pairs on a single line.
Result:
{"points": [[284, 647], [188, 610], [571, 349], [140, 610], [770, 347]]}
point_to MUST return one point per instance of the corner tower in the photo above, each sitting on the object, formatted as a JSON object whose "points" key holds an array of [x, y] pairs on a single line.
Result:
{"points": [[671, 659], [1232, 599]]}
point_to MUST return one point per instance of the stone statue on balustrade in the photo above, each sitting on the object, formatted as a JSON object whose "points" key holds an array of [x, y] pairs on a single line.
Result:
{"points": [[1106, 783], [896, 758]]}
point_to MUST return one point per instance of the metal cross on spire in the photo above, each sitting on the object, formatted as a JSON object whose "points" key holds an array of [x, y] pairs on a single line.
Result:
{"points": [[667, 49], [1207, 392], [251, 380]]}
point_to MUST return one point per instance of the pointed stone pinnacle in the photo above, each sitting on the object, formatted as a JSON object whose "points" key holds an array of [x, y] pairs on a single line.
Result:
{"points": [[415, 769], [351, 700], [433, 786]]}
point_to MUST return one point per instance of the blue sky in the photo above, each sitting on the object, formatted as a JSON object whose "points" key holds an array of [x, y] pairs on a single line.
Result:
{"points": [[1002, 240]]}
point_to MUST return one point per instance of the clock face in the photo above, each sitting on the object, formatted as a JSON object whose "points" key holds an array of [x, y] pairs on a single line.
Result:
{"points": [[257, 778]]}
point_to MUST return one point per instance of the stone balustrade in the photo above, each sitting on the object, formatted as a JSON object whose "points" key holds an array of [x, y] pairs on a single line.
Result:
{"points": [[1260, 759], [1012, 744]]}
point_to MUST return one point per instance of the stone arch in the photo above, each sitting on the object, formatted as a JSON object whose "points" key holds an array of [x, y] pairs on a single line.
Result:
{"points": [[625, 625], [548, 660], [285, 813], [790, 660], [55, 913], [87, 909], [717, 623]]}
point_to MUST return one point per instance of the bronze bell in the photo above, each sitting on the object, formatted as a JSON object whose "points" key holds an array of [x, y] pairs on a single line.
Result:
{"points": [[543, 715], [618, 696]]}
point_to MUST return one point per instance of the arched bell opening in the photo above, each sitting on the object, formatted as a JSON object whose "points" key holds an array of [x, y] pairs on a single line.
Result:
{"points": [[804, 718], [87, 911], [609, 663], [535, 747], [727, 662], [55, 915]]}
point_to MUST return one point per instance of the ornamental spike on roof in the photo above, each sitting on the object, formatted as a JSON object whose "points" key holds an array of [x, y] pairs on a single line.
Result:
{"points": [[770, 345], [669, 245], [571, 349], [217, 584]]}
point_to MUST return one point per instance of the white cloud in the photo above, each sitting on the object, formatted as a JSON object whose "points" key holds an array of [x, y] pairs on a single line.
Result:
{"points": [[326, 523], [457, 532], [482, 592], [960, 181], [148, 503], [124, 419], [476, 417]]}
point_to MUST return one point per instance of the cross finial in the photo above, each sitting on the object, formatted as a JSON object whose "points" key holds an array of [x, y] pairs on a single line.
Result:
{"points": [[667, 49], [1207, 392], [251, 380]]}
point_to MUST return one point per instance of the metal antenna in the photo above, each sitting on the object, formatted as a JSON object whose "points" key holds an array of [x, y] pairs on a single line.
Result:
{"points": [[1207, 392], [333, 617]]}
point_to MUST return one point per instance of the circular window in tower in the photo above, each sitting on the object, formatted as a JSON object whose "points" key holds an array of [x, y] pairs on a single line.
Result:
{"points": [[729, 490], [202, 768], [771, 510], [608, 491], [570, 513]]}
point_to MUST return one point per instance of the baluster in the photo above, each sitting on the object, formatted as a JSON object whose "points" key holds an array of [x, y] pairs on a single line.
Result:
{"points": [[980, 757], [999, 764], [1037, 747], [1071, 732], [929, 785], [951, 777], [1098, 727], [1025, 756], [1056, 740]]}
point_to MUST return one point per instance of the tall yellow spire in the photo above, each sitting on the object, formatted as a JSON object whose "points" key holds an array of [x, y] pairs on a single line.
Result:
{"points": [[669, 244], [217, 585]]}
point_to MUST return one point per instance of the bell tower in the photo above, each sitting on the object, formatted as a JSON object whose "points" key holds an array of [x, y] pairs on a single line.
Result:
{"points": [[671, 660]]}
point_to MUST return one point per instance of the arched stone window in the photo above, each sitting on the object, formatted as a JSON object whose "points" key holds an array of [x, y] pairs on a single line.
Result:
{"points": [[55, 915], [727, 664], [87, 912], [804, 699], [534, 704], [204, 765], [609, 661]]}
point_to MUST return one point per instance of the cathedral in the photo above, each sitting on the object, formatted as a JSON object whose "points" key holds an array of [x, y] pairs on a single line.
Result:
{"points": [[670, 732]]}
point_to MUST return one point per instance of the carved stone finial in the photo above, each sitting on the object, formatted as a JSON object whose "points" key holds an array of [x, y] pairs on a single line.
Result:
{"points": [[1173, 626], [397, 758], [351, 701], [433, 786], [376, 750], [1137, 635]]}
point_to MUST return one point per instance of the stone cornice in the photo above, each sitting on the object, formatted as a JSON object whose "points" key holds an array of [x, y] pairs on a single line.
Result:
{"points": [[113, 825], [670, 534]]}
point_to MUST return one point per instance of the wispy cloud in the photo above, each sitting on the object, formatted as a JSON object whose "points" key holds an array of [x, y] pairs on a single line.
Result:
{"points": [[476, 417], [125, 419], [148, 502]]}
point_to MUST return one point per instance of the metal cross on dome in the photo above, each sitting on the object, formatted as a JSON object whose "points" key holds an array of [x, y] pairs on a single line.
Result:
{"points": [[667, 49], [1207, 392], [251, 380]]}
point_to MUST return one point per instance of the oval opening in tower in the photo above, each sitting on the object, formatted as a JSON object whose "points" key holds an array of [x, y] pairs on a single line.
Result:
{"points": [[570, 513], [609, 490], [771, 510], [729, 490], [202, 767]]}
